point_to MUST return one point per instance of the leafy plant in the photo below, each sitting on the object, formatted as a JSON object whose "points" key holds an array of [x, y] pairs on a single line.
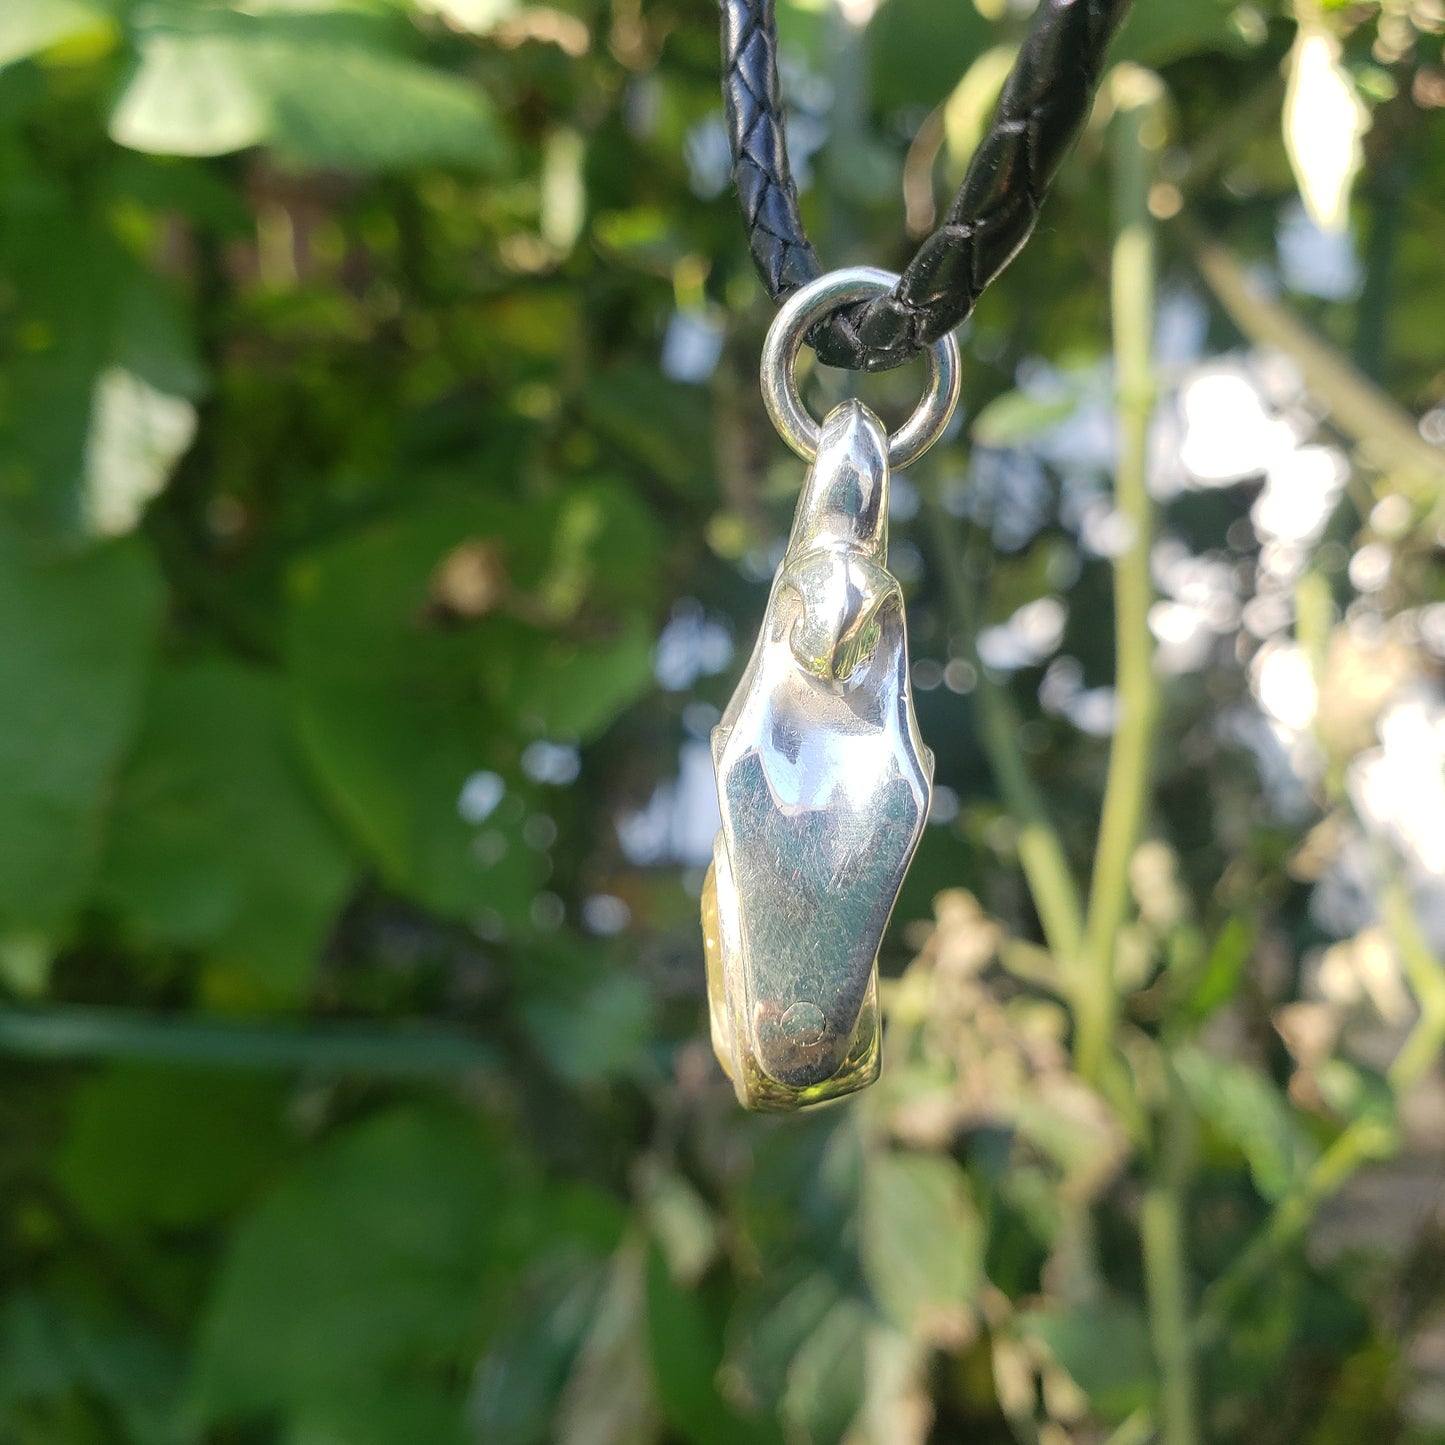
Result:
{"points": [[385, 504]]}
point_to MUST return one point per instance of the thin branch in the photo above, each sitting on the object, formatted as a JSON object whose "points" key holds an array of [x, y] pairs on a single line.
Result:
{"points": [[1138, 1429], [1426, 1041], [1384, 431], [1041, 852], [105, 1033], [1166, 1277], [1362, 1142], [1138, 136]]}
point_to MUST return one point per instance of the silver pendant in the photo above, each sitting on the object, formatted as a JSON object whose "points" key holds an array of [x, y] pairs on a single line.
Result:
{"points": [[823, 781]]}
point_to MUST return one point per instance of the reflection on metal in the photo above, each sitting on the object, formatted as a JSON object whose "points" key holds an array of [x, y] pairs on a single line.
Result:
{"points": [[823, 784], [797, 317]]}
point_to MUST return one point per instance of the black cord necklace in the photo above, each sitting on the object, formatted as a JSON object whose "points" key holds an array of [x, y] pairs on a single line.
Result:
{"points": [[1044, 103], [823, 779]]}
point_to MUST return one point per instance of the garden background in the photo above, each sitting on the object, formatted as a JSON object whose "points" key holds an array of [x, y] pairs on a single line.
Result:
{"points": [[386, 505]]}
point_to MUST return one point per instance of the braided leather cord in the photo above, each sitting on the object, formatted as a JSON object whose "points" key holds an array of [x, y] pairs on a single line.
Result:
{"points": [[1044, 103]]}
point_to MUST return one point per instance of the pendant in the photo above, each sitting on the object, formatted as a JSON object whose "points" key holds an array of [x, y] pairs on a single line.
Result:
{"points": [[823, 781]]}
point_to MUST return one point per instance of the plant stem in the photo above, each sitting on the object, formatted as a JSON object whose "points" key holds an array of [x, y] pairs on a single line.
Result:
{"points": [[1161, 1225], [1365, 1140], [1138, 135], [1138, 1429], [1166, 1276], [1362, 1141], [1426, 1040], [1041, 853], [113, 1033]]}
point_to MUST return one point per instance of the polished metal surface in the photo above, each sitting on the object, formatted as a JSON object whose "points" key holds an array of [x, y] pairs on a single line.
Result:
{"points": [[799, 314], [823, 784]]}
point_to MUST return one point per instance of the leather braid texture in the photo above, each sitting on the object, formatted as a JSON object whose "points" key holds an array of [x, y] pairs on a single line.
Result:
{"points": [[1044, 103]]}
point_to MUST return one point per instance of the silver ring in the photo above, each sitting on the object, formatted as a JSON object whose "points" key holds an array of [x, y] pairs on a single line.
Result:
{"points": [[802, 311]]}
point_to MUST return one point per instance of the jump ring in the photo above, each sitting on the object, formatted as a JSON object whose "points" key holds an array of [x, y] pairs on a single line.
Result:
{"points": [[799, 314]]}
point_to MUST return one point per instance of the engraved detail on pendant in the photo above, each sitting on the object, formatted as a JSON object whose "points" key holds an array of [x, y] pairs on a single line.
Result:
{"points": [[823, 784]]}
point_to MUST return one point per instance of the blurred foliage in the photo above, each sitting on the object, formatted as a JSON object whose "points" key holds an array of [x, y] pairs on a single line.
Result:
{"points": [[384, 502]]}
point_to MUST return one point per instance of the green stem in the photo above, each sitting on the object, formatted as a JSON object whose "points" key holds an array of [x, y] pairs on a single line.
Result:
{"points": [[1138, 134], [1361, 1142], [1041, 852], [1138, 1429], [106, 1033], [1162, 1228], [1364, 1141], [1426, 1040]]}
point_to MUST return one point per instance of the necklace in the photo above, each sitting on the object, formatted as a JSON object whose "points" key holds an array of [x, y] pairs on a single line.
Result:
{"points": [[823, 780]]}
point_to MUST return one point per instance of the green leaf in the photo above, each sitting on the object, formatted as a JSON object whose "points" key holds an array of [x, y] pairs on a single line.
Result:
{"points": [[137, 434], [658, 422], [1016, 418], [76, 636], [1105, 1349], [524, 1369], [1068, 1124], [308, 85], [368, 1267], [1248, 1111], [28, 27], [477, 17], [1358, 1094], [767, 1332], [802, 1193], [600, 1034], [608, 1398], [825, 1381], [600, 562], [399, 703], [909, 70], [33, 1357], [192, 95], [325, 113], [1158, 31], [1222, 969], [896, 1382], [920, 1238], [394, 717], [97, 399], [382, 1412], [685, 1328], [56, 1359], [679, 1220], [167, 1147], [215, 841], [570, 688]]}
